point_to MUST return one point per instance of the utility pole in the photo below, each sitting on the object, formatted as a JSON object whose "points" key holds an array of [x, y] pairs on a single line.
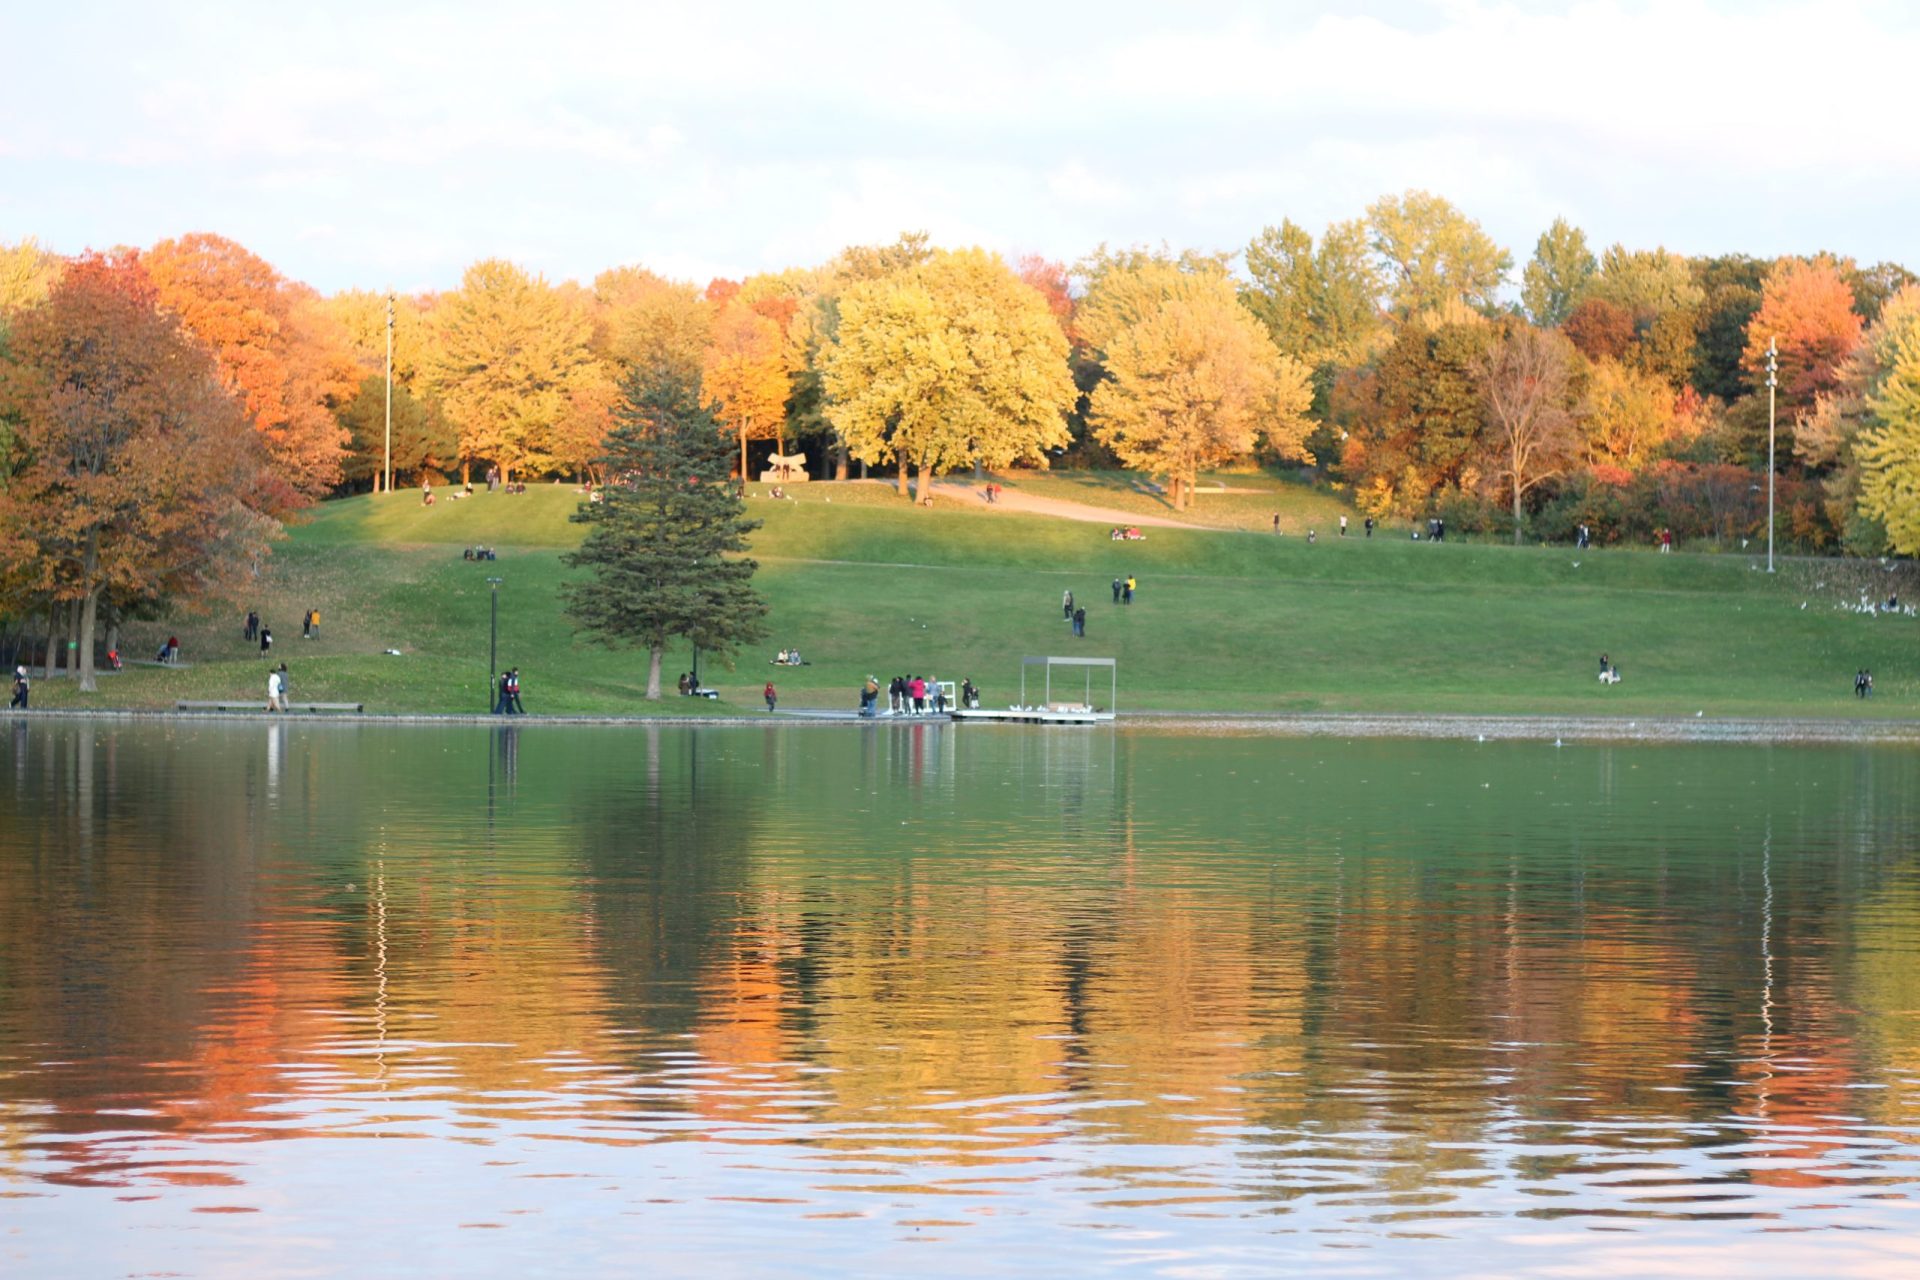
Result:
{"points": [[1773, 380], [387, 465]]}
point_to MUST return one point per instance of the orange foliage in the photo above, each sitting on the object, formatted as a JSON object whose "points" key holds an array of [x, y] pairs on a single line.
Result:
{"points": [[1807, 307], [1601, 330], [1049, 280], [276, 347]]}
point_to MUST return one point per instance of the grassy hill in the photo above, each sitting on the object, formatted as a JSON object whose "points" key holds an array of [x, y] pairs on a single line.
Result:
{"points": [[1225, 619]]}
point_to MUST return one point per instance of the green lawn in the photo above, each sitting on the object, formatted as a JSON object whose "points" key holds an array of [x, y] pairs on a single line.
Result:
{"points": [[865, 583]]}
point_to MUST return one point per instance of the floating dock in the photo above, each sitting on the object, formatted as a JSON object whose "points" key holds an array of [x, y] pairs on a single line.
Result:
{"points": [[1034, 715]]}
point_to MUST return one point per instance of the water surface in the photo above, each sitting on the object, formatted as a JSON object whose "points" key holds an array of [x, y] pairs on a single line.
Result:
{"points": [[291, 1000]]}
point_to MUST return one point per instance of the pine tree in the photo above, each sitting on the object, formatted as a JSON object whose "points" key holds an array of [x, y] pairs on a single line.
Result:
{"points": [[665, 540]]}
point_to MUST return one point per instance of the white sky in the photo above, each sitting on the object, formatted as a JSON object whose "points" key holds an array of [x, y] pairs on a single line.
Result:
{"points": [[390, 144]]}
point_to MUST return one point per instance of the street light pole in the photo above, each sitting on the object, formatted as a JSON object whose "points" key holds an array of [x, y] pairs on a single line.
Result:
{"points": [[387, 464], [493, 638], [1773, 370]]}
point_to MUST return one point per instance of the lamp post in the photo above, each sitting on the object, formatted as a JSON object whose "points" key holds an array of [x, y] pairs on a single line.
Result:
{"points": [[1773, 380], [493, 637], [387, 462]]}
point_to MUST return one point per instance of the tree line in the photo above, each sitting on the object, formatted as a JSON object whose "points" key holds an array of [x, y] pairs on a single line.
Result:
{"points": [[161, 410]]}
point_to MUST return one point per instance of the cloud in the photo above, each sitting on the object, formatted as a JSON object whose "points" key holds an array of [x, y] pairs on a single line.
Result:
{"points": [[752, 136]]}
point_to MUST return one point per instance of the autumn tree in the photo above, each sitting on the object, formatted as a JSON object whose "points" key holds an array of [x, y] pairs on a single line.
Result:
{"points": [[1435, 253], [1599, 329], [580, 433], [1525, 386], [1807, 308], [1628, 415], [645, 321], [27, 274], [1730, 291], [1868, 433], [949, 362], [664, 545], [1558, 274], [1193, 380], [276, 349], [746, 375], [508, 351], [1320, 303], [362, 317], [1413, 417], [135, 467]]}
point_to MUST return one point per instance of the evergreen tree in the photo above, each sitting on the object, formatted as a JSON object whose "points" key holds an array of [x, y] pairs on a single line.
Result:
{"points": [[665, 540]]}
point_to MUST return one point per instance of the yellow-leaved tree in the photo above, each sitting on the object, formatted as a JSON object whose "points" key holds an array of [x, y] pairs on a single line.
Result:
{"points": [[747, 374], [948, 362], [508, 352], [1192, 379]]}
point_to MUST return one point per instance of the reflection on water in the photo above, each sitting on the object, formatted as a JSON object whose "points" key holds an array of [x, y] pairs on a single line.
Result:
{"points": [[291, 999]]}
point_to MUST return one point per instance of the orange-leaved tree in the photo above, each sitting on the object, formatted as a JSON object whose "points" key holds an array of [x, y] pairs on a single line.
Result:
{"points": [[136, 471], [1807, 308], [747, 374], [275, 348]]}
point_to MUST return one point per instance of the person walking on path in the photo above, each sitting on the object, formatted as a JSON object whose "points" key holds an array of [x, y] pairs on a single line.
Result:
{"points": [[772, 696], [1860, 683], [1080, 623], [1066, 604], [1343, 526], [513, 691], [1369, 526], [869, 695], [273, 688], [1276, 522], [21, 690], [502, 704], [266, 638], [1126, 592]]}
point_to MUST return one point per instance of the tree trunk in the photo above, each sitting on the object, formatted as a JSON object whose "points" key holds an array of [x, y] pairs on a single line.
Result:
{"points": [[902, 480], [89, 611], [839, 460], [1516, 510], [89, 614], [53, 637], [653, 673], [466, 471], [743, 453]]}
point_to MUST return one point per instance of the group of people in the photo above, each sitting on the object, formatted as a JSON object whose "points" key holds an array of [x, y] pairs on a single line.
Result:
{"points": [[1128, 534], [1863, 683], [789, 658], [310, 624], [279, 685], [478, 553], [1436, 530], [689, 685], [254, 629], [1609, 673], [507, 703], [169, 652], [913, 695]]}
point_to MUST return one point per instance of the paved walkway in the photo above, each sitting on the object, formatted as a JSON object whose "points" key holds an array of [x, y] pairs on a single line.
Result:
{"points": [[1062, 508]]}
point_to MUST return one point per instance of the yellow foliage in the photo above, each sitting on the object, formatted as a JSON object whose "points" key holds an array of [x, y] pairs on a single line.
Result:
{"points": [[1193, 379], [746, 375]]}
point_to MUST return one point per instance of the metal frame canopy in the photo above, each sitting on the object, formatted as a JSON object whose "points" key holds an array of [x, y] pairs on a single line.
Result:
{"points": [[1089, 664]]}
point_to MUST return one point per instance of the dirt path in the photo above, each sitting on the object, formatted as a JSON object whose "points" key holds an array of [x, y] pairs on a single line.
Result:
{"points": [[1061, 508]]}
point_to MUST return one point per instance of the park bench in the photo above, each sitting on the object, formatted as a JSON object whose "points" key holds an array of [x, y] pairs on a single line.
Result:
{"points": [[257, 704]]}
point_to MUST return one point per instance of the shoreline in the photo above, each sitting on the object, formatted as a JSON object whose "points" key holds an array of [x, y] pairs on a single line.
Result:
{"points": [[1750, 730]]}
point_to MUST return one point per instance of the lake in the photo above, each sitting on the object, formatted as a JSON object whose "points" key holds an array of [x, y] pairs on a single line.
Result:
{"points": [[308, 999]]}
